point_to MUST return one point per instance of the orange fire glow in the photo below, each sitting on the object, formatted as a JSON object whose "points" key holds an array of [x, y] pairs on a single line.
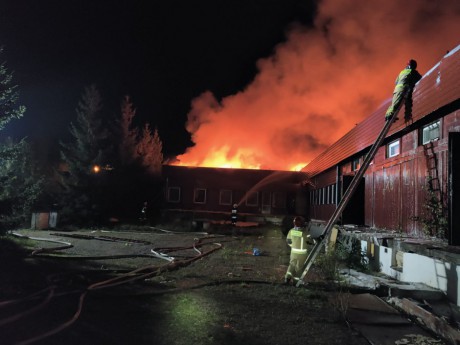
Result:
{"points": [[221, 159], [319, 83]]}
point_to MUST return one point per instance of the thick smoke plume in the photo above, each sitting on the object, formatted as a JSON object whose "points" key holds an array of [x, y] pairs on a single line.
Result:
{"points": [[320, 83]]}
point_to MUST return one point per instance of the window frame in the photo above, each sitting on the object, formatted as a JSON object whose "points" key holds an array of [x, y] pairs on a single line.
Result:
{"points": [[195, 195], [427, 127], [391, 145], [279, 199], [223, 191], [250, 196], [169, 194], [356, 164]]}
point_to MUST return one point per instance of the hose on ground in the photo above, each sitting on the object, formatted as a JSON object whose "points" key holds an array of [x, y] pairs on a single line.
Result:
{"points": [[134, 275], [66, 245]]}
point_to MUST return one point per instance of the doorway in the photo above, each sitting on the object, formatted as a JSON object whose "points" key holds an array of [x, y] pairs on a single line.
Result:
{"points": [[354, 211], [453, 191], [266, 203]]}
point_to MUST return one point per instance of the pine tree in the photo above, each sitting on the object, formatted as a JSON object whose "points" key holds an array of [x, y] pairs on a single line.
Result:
{"points": [[137, 174], [9, 96], [86, 160], [86, 149], [129, 135], [20, 185], [150, 150]]}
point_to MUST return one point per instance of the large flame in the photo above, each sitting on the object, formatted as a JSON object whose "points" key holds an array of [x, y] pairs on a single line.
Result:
{"points": [[319, 83]]}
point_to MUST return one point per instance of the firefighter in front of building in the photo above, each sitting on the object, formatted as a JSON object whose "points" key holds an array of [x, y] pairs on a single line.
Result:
{"points": [[144, 212], [297, 239], [234, 214], [405, 82]]}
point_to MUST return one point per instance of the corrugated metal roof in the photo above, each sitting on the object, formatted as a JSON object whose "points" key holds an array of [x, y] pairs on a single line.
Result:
{"points": [[438, 87]]}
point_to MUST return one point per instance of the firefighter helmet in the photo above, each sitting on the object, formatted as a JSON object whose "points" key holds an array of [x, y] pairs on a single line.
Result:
{"points": [[298, 221], [412, 64]]}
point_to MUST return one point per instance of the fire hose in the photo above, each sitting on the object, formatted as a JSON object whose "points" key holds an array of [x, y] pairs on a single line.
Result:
{"points": [[134, 275]]}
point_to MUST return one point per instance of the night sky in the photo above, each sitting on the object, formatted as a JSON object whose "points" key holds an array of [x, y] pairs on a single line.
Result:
{"points": [[161, 53], [265, 84]]}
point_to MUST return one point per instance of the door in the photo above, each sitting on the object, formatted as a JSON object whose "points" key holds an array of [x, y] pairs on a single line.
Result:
{"points": [[266, 203], [354, 211]]}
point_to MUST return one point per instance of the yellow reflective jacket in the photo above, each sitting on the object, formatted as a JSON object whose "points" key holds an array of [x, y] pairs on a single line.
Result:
{"points": [[407, 77], [298, 240]]}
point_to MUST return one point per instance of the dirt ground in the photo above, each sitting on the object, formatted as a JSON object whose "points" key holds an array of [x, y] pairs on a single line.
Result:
{"points": [[109, 288]]}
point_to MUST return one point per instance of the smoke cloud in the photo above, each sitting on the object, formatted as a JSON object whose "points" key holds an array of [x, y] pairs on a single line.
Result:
{"points": [[320, 83]]}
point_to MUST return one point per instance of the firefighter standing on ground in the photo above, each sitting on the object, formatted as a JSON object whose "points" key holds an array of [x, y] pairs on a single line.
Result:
{"points": [[405, 82], [297, 239], [144, 211], [234, 216]]}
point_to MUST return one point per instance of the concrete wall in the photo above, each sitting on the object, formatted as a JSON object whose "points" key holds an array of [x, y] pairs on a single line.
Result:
{"points": [[415, 268]]}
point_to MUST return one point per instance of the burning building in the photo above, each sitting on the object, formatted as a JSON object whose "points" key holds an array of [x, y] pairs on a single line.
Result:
{"points": [[210, 193], [412, 184]]}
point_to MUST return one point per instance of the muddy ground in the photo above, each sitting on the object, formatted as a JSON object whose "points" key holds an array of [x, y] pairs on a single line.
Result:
{"points": [[108, 288]]}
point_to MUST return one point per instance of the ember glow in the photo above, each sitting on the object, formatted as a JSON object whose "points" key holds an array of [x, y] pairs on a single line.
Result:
{"points": [[319, 83]]}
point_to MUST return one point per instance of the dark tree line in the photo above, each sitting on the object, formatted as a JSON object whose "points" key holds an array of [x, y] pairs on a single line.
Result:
{"points": [[108, 169], [20, 181], [111, 168]]}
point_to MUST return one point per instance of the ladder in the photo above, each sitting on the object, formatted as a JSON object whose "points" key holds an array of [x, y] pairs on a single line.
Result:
{"points": [[432, 167], [435, 200], [349, 193]]}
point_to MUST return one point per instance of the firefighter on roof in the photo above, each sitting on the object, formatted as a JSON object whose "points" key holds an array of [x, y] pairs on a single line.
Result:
{"points": [[405, 82], [297, 239]]}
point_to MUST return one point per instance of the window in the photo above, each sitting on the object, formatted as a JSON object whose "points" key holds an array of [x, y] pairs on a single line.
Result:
{"points": [[252, 199], [393, 149], [199, 196], [225, 197], [430, 132], [279, 199], [173, 194], [356, 164]]}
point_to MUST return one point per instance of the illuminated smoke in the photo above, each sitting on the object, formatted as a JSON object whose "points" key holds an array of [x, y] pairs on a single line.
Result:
{"points": [[320, 83]]}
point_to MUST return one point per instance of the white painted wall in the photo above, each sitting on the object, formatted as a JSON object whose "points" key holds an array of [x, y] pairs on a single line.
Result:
{"points": [[385, 261], [435, 273], [422, 269]]}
